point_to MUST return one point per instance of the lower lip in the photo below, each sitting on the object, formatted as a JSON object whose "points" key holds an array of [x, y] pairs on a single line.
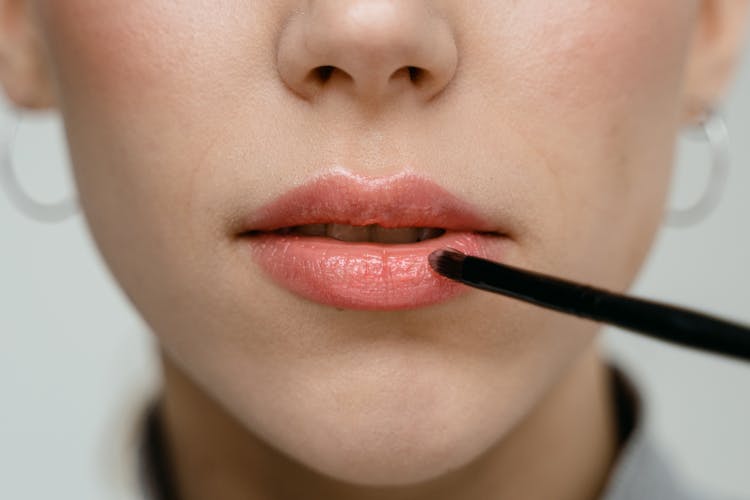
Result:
{"points": [[366, 276]]}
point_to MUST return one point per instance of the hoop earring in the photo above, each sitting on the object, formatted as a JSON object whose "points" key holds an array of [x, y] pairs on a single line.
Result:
{"points": [[40, 212], [714, 131]]}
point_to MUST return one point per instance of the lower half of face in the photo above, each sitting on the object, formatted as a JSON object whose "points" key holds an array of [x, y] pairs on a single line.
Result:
{"points": [[558, 124]]}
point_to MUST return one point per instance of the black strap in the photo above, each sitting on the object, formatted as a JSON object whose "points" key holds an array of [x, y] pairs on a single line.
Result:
{"points": [[626, 404], [158, 471]]}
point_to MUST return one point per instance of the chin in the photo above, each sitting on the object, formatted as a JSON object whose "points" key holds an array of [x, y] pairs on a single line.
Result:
{"points": [[391, 460], [400, 449], [410, 427]]}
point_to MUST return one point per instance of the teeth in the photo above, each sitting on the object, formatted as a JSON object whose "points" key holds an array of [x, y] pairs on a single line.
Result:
{"points": [[311, 229], [372, 233], [427, 233], [395, 234], [344, 232]]}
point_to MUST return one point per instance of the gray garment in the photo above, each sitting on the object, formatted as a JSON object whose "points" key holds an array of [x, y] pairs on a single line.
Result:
{"points": [[639, 473]]}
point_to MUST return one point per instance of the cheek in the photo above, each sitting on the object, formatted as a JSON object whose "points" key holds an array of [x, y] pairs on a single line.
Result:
{"points": [[132, 84], [109, 43], [593, 89], [593, 54], [151, 92], [126, 53], [148, 87]]}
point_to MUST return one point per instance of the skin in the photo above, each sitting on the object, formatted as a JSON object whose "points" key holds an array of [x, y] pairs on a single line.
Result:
{"points": [[556, 117]]}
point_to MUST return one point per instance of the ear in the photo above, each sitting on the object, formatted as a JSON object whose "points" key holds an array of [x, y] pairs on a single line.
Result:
{"points": [[24, 72], [716, 46]]}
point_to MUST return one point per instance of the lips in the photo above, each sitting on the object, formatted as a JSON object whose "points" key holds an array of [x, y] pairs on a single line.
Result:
{"points": [[355, 242]]}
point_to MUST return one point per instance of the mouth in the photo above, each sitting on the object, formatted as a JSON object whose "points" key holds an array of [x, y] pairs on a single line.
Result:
{"points": [[362, 243], [372, 233]]}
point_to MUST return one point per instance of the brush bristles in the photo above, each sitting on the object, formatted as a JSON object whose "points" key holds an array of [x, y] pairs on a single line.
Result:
{"points": [[448, 262]]}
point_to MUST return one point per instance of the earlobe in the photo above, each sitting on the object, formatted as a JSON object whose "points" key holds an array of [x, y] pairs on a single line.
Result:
{"points": [[24, 70], [717, 43]]}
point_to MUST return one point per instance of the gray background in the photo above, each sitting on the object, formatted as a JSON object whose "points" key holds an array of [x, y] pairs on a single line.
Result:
{"points": [[73, 355]]}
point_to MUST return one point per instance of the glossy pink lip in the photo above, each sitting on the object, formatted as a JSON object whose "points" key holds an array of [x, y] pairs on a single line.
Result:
{"points": [[368, 276]]}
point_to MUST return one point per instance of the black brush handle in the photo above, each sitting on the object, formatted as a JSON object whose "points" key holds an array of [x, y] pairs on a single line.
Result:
{"points": [[661, 321]]}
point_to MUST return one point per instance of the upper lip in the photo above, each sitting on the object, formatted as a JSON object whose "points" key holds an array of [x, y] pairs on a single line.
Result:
{"points": [[339, 197]]}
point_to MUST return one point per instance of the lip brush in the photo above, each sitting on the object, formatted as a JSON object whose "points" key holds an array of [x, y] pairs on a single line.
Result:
{"points": [[662, 321]]}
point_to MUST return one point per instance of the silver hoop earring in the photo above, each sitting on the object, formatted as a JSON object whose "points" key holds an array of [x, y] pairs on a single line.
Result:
{"points": [[715, 132], [41, 212]]}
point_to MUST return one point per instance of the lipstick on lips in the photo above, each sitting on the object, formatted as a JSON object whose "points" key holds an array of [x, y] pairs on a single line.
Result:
{"points": [[358, 242]]}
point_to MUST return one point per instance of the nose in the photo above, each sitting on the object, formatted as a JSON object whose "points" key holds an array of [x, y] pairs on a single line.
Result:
{"points": [[372, 51]]}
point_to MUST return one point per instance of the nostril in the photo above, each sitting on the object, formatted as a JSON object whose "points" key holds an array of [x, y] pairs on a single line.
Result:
{"points": [[415, 74], [324, 72]]}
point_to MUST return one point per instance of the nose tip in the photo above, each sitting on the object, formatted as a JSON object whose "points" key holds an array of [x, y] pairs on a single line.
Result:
{"points": [[370, 50]]}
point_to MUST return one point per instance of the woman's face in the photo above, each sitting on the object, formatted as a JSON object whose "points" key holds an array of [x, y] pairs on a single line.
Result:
{"points": [[555, 119]]}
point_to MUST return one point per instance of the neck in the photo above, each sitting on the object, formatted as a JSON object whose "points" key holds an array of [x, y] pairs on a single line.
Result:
{"points": [[564, 450]]}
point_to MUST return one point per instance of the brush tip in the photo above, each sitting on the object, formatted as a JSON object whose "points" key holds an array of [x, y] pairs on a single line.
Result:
{"points": [[447, 262]]}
